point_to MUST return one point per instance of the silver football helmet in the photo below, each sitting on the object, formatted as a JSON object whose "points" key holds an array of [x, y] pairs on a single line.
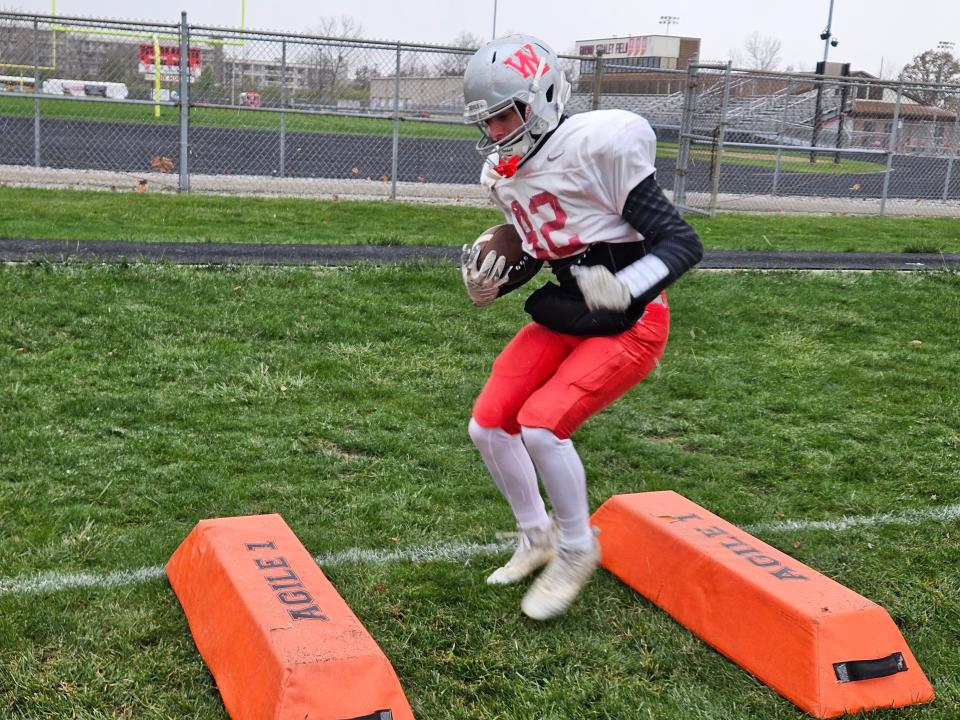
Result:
{"points": [[518, 72]]}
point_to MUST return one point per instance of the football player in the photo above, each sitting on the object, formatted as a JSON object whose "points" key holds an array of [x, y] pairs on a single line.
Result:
{"points": [[581, 191]]}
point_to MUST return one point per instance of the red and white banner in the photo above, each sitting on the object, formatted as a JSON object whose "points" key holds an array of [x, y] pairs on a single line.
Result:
{"points": [[169, 62]]}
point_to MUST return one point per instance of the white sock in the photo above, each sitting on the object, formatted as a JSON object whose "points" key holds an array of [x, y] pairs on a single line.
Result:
{"points": [[508, 462], [564, 478]]}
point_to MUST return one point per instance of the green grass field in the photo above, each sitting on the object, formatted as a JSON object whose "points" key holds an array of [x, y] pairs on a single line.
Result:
{"points": [[88, 215], [140, 399], [296, 121]]}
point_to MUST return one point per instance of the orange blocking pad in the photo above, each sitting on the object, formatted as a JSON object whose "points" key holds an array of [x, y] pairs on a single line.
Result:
{"points": [[280, 641], [822, 646]]}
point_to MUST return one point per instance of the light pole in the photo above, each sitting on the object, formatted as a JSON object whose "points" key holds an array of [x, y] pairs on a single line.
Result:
{"points": [[669, 20], [493, 35], [828, 40], [827, 36]]}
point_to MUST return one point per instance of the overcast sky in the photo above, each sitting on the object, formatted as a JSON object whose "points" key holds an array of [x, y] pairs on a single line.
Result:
{"points": [[870, 32]]}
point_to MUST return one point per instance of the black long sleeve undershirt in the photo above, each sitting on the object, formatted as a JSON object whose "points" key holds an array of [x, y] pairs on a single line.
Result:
{"points": [[666, 235]]}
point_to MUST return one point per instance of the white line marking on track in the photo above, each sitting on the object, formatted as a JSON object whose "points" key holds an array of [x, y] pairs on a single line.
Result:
{"points": [[451, 552]]}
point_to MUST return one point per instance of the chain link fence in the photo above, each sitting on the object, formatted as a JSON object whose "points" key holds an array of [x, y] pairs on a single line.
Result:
{"points": [[771, 141], [70, 96], [95, 102]]}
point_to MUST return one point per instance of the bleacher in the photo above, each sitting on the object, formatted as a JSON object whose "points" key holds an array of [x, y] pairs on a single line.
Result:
{"points": [[784, 116]]}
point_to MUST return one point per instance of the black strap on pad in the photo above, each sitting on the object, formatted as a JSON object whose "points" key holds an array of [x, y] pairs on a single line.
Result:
{"points": [[855, 670]]}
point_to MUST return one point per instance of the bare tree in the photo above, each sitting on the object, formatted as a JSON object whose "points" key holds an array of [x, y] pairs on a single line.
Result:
{"points": [[456, 63], [331, 58], [762, 52], [341, 27], [412, 64], [932, 66]]}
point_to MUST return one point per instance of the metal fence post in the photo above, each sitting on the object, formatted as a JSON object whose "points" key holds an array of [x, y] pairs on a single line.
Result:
{"points": [[36, 92], [283, 106], [686, 128], [817, 116], [711, 112], [844, 92], [184, 103], [396, 130], [954, 138], [597, 73], [718, 148], [891, 149], [780, 131]]}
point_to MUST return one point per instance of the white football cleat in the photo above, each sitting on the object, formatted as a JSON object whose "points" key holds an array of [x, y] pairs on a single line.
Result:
{"points": [[557, 587], [535, 548]]}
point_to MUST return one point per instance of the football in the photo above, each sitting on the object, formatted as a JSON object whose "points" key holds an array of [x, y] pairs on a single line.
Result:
{"points": [[504, 240]]}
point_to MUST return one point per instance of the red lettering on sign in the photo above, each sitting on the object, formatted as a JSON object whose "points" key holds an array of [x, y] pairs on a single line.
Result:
{"points": [[637, 46]]}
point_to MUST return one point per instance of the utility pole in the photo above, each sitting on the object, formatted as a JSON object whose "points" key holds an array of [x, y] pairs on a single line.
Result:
{"points": [[826, 35], [828, 40]]}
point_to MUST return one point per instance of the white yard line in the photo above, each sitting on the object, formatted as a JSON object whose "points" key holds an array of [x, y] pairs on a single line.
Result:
{"points": [[452, 553], [456, 552], [56, 581], [906, 517]]}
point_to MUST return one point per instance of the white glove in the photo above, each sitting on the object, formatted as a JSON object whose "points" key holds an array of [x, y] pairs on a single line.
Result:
{"points": [[483, 283], [601, 288]]}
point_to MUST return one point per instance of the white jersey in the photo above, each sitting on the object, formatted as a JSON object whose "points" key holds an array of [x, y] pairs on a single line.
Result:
{"points": [[571, 192]]}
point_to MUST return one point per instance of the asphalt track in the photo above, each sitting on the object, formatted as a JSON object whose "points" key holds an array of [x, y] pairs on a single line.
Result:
{"points": [[129, 147], [56, 251]]}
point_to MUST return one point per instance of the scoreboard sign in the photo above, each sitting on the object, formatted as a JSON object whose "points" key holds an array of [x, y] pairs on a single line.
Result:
{"points": [[169, 62]]}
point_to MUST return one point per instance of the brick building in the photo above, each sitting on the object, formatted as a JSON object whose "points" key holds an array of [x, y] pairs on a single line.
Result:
{"points": [[641, 64]]}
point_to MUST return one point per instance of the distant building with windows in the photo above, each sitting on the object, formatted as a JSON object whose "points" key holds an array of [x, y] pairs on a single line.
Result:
{"points": [[255, 73], [441, 94], [629, 64]]}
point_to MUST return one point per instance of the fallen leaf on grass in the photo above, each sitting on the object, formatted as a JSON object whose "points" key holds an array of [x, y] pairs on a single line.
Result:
{"points": [[161, 163]]}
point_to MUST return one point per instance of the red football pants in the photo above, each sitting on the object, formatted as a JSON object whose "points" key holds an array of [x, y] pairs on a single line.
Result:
{"points": [[550, 380]]}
